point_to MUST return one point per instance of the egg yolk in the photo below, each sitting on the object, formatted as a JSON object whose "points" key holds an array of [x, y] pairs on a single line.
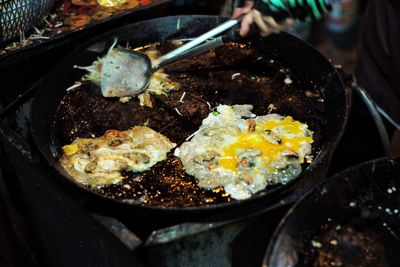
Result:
{"points": [[256, 141], [70, 149]]}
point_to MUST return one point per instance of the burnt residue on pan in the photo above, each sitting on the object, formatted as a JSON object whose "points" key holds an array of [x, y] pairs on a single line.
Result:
{"points": [[363, 233], [351, 219], [232, 74], [350, 246]]}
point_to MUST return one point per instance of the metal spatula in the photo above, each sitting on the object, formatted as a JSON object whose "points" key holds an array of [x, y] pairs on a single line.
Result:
{"points": [[126, 72]]}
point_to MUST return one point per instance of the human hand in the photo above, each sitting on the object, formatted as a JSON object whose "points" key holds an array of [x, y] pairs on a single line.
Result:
{"points": [[265, 24], [243, 10]]}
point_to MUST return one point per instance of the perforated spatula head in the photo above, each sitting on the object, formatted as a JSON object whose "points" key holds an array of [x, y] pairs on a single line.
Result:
{"points": [[124, 73]]}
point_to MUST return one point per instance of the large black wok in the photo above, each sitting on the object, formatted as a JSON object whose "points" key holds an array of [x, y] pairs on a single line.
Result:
{"points": [[352, 219], [308, 68]]}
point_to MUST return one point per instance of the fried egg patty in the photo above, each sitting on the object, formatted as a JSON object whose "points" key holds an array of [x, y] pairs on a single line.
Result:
{"points": [[243, 153], [100, 161]]}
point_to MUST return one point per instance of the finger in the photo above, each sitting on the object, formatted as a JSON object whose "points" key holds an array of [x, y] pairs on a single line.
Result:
{"points": [[237, 12], [249, 5], [247, 21], [277, 27], [273, 26], [289, 22], [259, 21], [271, 22], [243, 10]]}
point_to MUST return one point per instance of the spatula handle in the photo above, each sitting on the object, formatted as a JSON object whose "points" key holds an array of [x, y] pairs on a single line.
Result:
{"points": [[200, 49], [210, 34]]}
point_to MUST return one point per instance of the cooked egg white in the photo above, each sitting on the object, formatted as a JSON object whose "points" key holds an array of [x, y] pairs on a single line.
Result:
{"points": [[100, 161], [244, 153]]}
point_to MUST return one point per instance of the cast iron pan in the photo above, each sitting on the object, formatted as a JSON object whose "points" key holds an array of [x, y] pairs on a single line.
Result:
{"points": [[351, 219], [316, 96]]}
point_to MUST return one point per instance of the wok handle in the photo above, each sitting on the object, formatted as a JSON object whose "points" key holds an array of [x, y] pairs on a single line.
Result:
{"points": [[377, 119]]}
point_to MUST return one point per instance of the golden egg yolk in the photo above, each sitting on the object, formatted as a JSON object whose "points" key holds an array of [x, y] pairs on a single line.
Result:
{"points": [[256, 141], [70, 149]]}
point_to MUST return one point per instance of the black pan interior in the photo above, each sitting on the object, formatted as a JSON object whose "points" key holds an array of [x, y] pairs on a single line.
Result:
{"points": [[316, 96], [351, 220], [205, 79]]}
